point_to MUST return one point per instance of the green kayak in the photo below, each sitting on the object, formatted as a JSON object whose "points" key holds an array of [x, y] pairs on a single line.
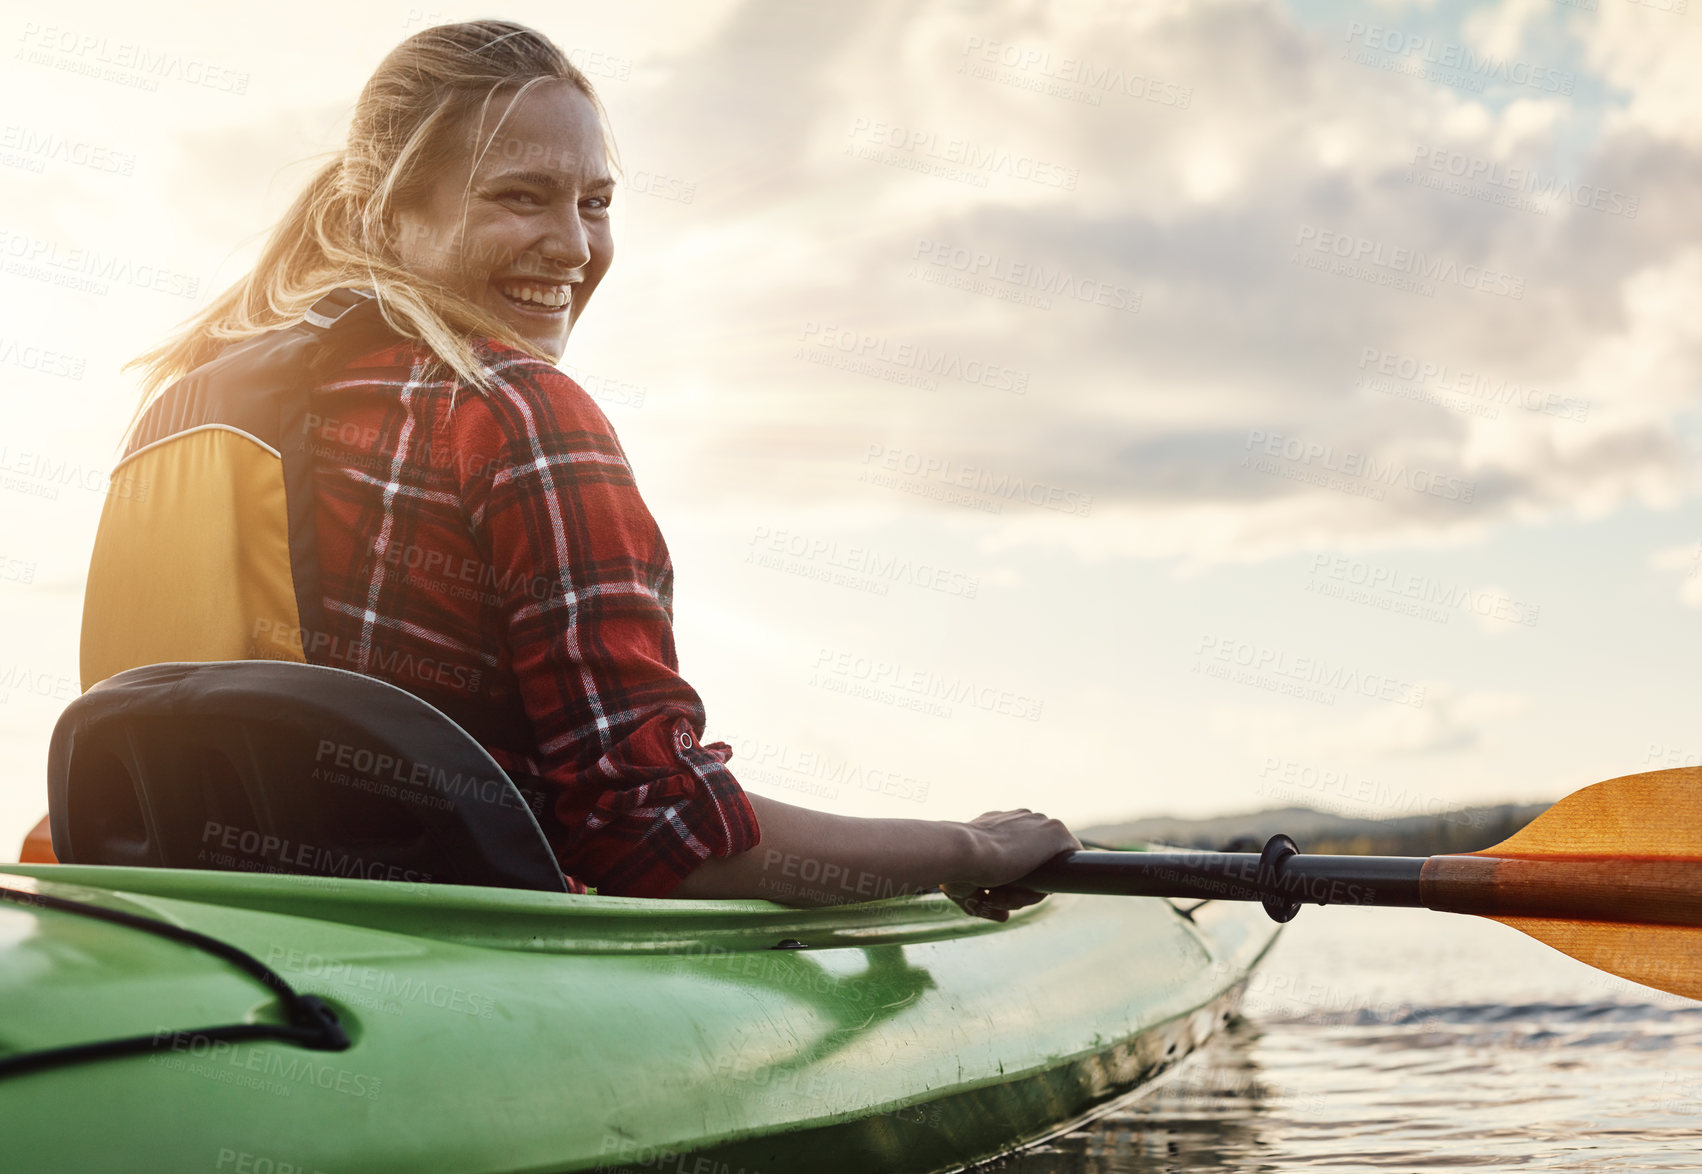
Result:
{"points": [[496, 1029]]}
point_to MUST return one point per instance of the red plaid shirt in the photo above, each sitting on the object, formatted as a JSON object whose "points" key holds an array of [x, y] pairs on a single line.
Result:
{"points": [[497, 560]]}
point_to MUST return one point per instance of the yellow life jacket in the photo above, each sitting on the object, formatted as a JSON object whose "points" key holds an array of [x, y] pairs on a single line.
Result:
{"points": [[206, 548], [206, 551]]}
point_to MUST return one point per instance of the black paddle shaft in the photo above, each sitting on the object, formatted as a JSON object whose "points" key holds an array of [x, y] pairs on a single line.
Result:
{"points": [[1280, 877]]}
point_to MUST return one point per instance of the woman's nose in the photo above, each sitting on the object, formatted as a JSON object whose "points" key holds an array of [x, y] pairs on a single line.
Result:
{"points": [[567, 245]]}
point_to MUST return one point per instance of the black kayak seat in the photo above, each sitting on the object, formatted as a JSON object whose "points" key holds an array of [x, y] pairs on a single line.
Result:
{"points": [[285, 767]]}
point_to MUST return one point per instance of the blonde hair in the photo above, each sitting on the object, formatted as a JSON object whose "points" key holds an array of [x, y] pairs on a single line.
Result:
{"points": [[408, 126]]}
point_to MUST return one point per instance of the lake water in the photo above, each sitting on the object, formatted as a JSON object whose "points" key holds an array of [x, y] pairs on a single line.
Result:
{"points": [[1395, 1040]]}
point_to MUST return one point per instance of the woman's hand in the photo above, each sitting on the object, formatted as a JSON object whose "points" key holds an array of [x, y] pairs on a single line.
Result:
{"points": [[1006, 846]]}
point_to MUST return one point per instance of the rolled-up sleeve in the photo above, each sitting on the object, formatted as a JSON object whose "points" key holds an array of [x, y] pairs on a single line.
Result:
{"points": [[585, 586]]}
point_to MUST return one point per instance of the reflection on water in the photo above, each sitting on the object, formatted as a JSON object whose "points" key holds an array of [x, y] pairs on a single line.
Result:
{"points": [[1210, 1116], [1396, 1040]]}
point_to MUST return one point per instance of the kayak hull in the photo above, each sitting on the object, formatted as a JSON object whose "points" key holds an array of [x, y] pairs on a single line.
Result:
{"points": [[500, 1030], [961, 1128]]}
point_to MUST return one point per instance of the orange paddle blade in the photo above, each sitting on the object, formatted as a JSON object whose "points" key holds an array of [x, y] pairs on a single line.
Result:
{"points": [[1657, 815], [1639, 824], [1666, 957]]}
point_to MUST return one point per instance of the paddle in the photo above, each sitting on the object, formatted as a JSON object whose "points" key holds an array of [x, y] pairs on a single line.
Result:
{"points": [[1611, 875]]}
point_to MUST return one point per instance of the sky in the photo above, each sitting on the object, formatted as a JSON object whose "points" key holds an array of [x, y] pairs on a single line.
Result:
{"points": [[1106, 408]]}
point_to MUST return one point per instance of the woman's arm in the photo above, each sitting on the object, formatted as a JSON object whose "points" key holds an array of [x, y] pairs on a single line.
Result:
{"points": [[644, 807], [583, 585], [810, 857]]}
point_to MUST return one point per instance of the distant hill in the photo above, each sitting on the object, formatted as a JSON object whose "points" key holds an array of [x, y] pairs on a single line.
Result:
{"points": [[1465, 830]]}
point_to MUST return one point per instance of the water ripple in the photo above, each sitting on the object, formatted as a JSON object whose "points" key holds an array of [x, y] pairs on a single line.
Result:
{"points": [[1389, 1040]]}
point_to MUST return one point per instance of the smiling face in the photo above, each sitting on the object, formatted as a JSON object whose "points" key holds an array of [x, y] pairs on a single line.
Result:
{"points": [[528, 238]]}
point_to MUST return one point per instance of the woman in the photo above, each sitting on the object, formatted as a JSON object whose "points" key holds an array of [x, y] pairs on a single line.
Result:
{"points": [[481, 542]]}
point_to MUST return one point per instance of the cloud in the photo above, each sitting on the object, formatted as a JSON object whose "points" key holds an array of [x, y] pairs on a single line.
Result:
{"points": [[1687, 559], [1648, 54], [1450, 721], [1561, 400]]}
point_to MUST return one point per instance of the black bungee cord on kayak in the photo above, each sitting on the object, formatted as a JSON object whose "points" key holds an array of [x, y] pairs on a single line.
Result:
{"points": [[312, 1023]]}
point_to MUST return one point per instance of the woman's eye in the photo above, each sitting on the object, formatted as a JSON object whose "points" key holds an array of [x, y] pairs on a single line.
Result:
{"points": [[518, 194], [600, 203]]}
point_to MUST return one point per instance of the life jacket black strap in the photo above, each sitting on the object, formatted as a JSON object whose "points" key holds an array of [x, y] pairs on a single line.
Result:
{"points": [[327, 310], [345, 322]]}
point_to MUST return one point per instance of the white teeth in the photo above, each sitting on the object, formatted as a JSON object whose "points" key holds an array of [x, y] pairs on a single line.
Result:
{"points": [[551, 296]]}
